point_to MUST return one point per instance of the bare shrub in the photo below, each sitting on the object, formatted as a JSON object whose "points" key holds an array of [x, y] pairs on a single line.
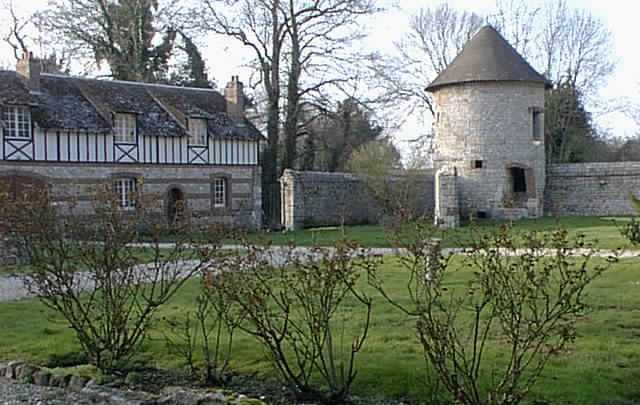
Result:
{"points": [[298, 304], [631, 229], [524, 298], [87, 267], [208, 331]]}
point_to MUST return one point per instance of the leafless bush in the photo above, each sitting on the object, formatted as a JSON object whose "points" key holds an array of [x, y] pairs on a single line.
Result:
{"points": [[631, 230], [87, 268], [525, 296], [298, 304], [208, 330]]}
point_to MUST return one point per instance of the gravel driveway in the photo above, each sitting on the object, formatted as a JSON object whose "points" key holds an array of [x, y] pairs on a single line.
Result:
{"points": [[12, 288]]}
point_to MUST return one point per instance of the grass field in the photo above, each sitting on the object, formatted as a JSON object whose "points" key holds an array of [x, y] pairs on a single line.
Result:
{"points": [[603, 231], [600, 368]]}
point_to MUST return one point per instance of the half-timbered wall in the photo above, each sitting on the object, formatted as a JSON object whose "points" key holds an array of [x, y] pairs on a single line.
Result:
{"points": [[86, 147]]}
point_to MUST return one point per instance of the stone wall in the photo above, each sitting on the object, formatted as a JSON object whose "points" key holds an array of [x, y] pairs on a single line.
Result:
{"points": [[76, 181], [592, 188], [328, 199], [447, 206]]}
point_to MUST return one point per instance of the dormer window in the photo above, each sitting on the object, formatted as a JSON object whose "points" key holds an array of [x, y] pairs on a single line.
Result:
{"points": [[125, 128], [198, 131], [17, 122]]}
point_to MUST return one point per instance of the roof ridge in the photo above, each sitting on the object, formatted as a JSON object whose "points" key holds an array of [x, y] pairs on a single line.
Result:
{"points": [[159, 85]]}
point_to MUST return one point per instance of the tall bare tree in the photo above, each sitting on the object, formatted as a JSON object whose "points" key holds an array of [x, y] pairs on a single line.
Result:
{"points": [[16, 32], [577, 47], [435, 36], [24, 33], [321, 33], [517, 21], [300, 48], [259, 26]]}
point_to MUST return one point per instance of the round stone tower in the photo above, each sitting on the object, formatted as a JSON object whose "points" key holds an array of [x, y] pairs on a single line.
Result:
{"points": [[489, 126]]}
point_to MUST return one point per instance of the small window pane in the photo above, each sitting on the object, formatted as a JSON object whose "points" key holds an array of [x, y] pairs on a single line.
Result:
{"points": [[17, 122], [220, 193], [124, 127], [125, 192], [198, 131]]}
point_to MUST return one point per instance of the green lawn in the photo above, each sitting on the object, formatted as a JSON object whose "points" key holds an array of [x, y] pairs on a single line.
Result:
{"points": [[600, 368], [601, 230]]}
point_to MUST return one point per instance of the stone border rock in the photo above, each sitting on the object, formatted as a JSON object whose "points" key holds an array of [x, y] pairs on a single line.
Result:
{"points": [[29, 374]]}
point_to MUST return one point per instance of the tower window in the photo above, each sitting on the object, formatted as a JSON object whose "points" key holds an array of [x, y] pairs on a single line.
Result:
{"points": [[477, 164], [536, 123]]}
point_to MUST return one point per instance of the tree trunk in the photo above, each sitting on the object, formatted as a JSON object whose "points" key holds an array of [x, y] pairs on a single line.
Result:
{"points": [[293, 95]]}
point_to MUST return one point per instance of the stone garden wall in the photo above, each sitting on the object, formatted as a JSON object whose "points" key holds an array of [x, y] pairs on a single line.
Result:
{"points": [[329, 199], [591, 188]]}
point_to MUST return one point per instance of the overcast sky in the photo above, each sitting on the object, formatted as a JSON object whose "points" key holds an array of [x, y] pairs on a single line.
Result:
{"points": [[225, 58]]}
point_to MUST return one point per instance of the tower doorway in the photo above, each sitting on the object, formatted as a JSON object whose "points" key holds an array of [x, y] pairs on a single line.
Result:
{"points": [[520, 187], [518, 180]]}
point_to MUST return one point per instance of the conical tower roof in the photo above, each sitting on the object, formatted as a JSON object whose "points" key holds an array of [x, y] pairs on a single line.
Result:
{"points": [[487, 57]]}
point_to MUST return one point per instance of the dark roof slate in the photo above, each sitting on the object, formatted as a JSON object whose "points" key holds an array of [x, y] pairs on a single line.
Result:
{"points": [[66, 102], [12, 89], [62, 105], [487, 57]]}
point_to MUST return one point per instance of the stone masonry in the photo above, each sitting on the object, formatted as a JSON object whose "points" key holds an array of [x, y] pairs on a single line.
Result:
{"points": [[447, 206], [592, 188], [329, 199], [69, 180]]}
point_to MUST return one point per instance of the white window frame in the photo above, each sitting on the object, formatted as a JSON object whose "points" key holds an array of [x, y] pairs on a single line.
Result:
{"points": [[125, 128], [198, 132], [17, 122], [124, 189], [220, 192]]}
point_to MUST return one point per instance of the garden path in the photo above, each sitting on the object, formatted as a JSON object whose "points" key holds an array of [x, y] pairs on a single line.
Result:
{"points": [[13, 287]]}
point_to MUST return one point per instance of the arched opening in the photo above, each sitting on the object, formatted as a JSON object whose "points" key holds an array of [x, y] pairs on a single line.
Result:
{"points": [[175, 205]]}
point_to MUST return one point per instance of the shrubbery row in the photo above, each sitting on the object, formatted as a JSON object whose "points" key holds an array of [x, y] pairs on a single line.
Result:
{"points": [[525, 290]]}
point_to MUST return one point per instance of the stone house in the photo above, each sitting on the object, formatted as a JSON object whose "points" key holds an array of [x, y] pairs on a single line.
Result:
{"points": [[194, 148]]}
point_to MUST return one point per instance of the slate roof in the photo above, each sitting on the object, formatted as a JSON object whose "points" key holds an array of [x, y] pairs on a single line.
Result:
{"points": [[65, 102], [487, 57]]}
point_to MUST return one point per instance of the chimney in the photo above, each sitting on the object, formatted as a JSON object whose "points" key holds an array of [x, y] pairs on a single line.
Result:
{"points": [[29, 68], [235, 99]]}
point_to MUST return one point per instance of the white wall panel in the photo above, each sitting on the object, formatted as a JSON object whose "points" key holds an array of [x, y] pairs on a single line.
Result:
{"points": [[76, 146]]}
